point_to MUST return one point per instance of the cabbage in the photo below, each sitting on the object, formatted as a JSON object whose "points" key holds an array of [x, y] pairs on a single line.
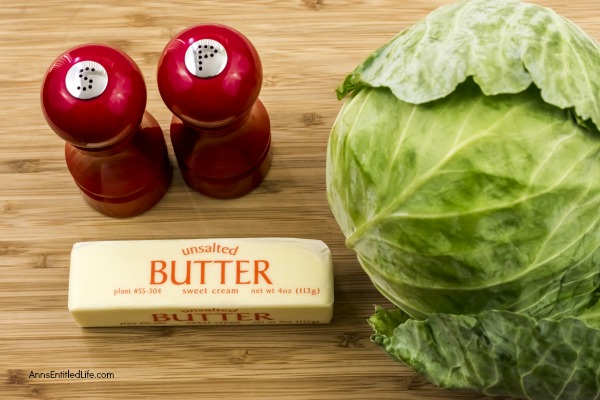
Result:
{"points": [[464, 171]]}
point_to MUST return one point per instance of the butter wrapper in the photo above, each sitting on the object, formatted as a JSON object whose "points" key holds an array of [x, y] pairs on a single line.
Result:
{"points": [[235, 281]]}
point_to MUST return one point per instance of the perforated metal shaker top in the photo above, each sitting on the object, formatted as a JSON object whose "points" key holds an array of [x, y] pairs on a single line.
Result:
{"points": [[206, 58], [86, 80]]}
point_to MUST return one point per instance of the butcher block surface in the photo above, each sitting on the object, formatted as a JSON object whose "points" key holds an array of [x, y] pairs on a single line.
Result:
{"points": [[307, 47]]}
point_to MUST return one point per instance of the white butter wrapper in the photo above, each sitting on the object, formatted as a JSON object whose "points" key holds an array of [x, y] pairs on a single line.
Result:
{"points": [[201, 282]]}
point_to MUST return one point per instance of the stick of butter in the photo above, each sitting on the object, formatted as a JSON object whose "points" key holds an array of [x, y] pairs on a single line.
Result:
{"points": [[201, 282]]}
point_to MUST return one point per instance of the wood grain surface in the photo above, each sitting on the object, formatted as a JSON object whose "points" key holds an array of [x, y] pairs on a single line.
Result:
{"points": [[307, 47]]}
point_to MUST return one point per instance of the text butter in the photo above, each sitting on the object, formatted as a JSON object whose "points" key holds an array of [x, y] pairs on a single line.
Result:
{"points": [[201, 282]]}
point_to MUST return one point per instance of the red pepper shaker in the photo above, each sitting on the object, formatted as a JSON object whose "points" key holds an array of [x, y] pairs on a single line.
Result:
{"points": [[94, 97], [210, 76]]}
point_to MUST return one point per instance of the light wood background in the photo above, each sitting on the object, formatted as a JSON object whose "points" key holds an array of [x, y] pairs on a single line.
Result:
{"points": [[307, 47]]}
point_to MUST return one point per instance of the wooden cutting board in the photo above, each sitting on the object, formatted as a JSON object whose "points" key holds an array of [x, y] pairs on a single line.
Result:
{"points": [[307, 47]]}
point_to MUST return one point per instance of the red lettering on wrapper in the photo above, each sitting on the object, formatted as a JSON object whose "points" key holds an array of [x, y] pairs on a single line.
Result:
{"points": [[197, 271], [212, 317]]}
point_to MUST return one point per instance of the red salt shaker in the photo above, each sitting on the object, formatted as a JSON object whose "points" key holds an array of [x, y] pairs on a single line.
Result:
{"points": [[210, 77], [94, 97]]}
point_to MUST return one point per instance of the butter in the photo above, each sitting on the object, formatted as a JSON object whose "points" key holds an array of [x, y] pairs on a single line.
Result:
{"points": [[201, 282]]}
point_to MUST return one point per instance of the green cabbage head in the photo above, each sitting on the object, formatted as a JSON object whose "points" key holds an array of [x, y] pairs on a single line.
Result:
{"points": [[464, 171]]}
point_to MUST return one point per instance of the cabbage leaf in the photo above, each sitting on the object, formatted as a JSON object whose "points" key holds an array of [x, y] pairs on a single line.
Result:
{"points": [[505, 45], [497, 352]]}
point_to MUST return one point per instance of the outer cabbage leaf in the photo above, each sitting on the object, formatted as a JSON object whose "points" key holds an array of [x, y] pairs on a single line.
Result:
{"points": [[469, 203], [505, 45], [497, 353]]}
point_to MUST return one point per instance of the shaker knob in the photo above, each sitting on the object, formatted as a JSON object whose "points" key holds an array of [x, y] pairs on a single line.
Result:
{"points": [[209, 76], [93, 96]]}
